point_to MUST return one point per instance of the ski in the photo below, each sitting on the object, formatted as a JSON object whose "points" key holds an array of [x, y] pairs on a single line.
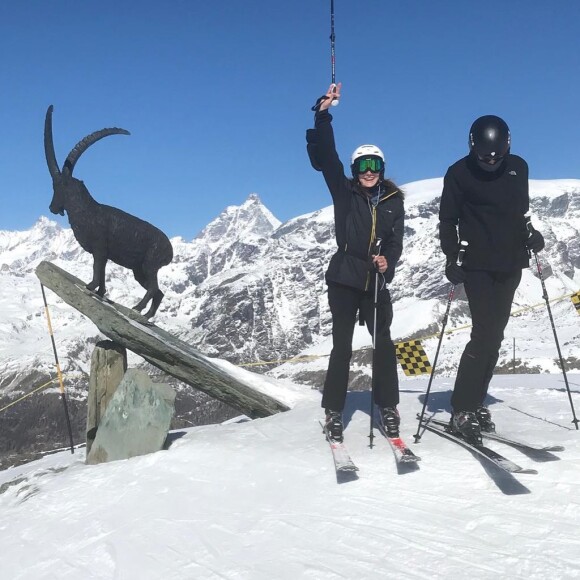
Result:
{"points": [[402, 452], [489, 454], [342, 461], [508, 440], [521, 444]]}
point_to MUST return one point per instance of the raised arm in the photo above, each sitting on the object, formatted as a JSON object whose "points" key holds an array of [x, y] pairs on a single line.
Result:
{"points": [[321, 145]]}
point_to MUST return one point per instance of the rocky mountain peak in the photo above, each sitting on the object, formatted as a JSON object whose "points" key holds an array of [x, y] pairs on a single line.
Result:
{"points": [[251, 220]]}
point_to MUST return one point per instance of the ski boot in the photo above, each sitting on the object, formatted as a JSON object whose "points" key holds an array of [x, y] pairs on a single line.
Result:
{"points": [[333, 426], [484, 419], [465, 424], [390, 420]]}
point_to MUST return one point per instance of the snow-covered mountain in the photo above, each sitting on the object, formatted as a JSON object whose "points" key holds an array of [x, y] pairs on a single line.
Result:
{"points": [[420, 291], [249, 288]]}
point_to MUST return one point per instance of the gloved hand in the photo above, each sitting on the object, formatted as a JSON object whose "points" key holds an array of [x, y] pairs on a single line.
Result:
{"points": [[535, 242], [455, 274]]}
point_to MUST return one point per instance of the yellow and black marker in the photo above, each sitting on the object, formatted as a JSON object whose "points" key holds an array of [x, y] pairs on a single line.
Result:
{"points": [[576, 301], [412, 358]]}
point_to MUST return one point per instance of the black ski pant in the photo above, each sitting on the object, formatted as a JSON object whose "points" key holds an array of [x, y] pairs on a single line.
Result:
{"points": [[344, 303], [490, 296]]}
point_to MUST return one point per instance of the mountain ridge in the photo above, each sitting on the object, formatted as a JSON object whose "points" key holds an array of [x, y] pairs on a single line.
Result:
{"points": [[249, 288]]}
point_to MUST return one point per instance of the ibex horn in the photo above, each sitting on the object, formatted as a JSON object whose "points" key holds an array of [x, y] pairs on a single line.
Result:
{"points": [[85, 143], [49, 145]]}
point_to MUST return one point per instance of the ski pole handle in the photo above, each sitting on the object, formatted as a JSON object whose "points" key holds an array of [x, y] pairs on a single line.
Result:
{"points": [[323, 98], [334, 101], [462, 249], [377, 250]]}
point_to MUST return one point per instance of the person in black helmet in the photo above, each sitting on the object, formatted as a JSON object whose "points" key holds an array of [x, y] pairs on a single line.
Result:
{"points": [[367, 208], [484, 201]]}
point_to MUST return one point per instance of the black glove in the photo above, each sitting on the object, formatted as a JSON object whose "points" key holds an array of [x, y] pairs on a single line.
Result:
{"points": [[455, 274], [535, 242]]}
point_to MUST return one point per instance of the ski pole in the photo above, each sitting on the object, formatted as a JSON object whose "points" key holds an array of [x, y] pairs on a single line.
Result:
{"points": [[530, 229], [332, 62], [58, 372], [332, 54], [460, 256], [376, 252]]}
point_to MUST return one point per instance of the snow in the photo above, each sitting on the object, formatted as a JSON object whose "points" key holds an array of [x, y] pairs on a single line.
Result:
{"points": [[426, 190], [553, 188], [260, 500], [422, 191]]}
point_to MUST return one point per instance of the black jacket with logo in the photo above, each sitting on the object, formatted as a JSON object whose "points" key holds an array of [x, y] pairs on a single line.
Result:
{"points": [[359, 219], [489, 209]]}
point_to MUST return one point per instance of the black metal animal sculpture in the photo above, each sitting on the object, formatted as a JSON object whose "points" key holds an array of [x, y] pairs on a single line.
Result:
{"points": [[104, 231]]}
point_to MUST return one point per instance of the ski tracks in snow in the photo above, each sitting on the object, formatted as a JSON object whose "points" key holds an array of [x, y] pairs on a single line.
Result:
{"points": [[259, 500]]}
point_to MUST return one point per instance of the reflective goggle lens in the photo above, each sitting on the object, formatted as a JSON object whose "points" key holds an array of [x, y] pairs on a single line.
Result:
{"points": [[374, 164], [490, 159]]}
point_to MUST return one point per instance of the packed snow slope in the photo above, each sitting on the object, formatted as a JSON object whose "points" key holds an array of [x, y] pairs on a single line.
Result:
{"points": [[259, 500]]}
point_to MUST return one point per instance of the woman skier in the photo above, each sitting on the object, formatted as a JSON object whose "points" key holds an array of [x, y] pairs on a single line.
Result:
{"points": [[368, 209]]}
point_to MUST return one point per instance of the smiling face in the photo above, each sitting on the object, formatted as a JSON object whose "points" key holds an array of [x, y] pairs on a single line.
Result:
{"points": [[368, 168], [369, 178]]}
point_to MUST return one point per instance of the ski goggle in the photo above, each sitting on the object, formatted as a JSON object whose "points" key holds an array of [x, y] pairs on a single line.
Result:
{"points": [[490, 159], [364, 164]]}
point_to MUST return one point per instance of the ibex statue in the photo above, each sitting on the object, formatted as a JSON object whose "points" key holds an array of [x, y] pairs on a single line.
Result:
{"points": [[104, 231]]}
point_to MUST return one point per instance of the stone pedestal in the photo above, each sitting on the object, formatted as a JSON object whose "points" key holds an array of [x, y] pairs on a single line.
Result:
{"points": [[108, 366], [136, 421]]}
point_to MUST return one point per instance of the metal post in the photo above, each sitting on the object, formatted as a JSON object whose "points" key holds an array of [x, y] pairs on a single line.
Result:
{"points": [[58, 372]]}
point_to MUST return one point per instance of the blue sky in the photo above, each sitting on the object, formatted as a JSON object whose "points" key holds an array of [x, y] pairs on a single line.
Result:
{"points": [[217, 96]]}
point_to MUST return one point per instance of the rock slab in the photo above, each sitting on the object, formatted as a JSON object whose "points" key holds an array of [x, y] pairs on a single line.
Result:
{"points": [[108, 367], [136, 421]]}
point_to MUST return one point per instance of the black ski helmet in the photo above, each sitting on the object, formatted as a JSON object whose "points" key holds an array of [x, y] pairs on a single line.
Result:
{"points": [[490, 141]]}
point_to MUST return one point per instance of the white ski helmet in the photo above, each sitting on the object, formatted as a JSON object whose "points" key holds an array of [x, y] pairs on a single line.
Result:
{"points": [[366, 151]]}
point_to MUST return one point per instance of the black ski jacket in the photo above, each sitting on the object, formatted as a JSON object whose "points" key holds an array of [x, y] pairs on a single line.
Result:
{"points": [[359, 219], [489, 209]]}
